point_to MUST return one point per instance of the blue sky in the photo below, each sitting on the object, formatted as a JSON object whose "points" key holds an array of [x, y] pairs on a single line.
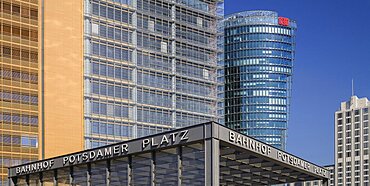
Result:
{"points": [[333, 46]]}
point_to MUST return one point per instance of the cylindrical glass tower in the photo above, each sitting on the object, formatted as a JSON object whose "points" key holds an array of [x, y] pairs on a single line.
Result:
{"points": [[259, 55]]}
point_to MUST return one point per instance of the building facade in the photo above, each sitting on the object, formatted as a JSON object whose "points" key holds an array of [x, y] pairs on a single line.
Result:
{"points": [[259, 55], [131, 68], [19, 82], [352, 143], [111, 70], [204, 154]]}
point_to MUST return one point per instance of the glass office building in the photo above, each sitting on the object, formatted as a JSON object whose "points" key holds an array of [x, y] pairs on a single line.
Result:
{"points": [[259, 55], [128, 68], [150, 65]]}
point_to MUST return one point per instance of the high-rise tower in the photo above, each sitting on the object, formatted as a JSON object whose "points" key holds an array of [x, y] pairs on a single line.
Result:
{"points": [[352, 142], [19, 81], [259, 55], [120, 69]]}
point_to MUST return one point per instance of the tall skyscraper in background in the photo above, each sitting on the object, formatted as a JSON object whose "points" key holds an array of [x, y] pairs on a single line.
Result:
{"points": [[259, 55], [352, 142], [120, 69], [19, 69]]}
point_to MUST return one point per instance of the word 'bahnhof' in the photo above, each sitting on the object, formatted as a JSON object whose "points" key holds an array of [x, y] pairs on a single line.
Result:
{"points": [[204, 154]]}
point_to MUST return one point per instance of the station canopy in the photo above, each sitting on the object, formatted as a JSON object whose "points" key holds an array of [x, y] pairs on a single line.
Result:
{"points": [[203, 154]]}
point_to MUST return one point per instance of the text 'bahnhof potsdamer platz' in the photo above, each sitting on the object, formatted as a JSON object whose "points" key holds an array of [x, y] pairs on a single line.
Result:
{"points": [[205, 154]]}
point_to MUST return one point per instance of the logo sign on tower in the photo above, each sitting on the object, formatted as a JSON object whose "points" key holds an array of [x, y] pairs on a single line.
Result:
{"points": [[283, 21]]}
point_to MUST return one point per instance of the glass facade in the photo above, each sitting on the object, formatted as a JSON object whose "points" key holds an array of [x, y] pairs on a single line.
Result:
{"points": [[19, 100], [150, 65], [259, 54]]}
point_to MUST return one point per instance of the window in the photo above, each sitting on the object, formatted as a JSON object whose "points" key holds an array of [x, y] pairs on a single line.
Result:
{"points": [[348, 127], [357, 132], [25, 141], [339, 115], [340, 122], [95, 127], [348, 147], [16, 9], [365, 110], [34, 14], [6, 7], [29, 141], [25, 12], [357, 153], [357, 139], [348, 114], [357, 119], [357, 112]]}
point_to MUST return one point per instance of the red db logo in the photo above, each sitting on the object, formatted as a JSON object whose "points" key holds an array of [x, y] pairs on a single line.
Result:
{"points": [[283, 21]]}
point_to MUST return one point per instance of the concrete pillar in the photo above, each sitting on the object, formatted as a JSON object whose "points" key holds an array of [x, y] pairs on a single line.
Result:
{"points": [[212, 162]]}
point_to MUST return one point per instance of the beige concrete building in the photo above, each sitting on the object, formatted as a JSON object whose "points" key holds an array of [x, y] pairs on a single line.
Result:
{"points": [[352, 143]]}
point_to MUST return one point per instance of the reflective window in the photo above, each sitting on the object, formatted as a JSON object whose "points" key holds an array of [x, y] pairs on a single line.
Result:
{"points": [[79, 175], [141, 169], [63, 176], [98, 173], [166, 172], [118, 172], [193, 162]]}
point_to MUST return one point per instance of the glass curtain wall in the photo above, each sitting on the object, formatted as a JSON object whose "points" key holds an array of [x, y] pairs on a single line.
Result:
{"points": [[150, 65], [259, 55]]}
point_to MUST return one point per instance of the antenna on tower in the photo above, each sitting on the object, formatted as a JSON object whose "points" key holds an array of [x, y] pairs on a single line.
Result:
{"points": [[353, 92]]}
